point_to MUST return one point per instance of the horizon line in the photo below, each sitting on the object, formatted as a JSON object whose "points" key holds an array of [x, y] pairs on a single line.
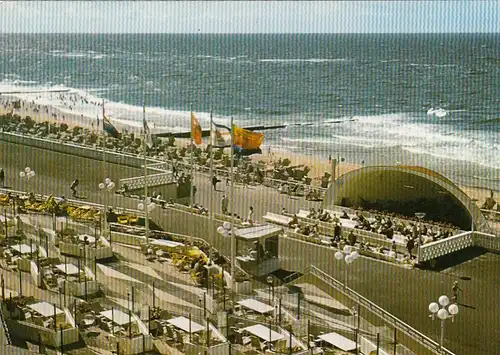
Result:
{"points": [[234, 33]]}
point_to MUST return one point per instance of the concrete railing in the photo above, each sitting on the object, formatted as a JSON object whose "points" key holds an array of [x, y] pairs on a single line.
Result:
{"points": [[380, 312], [445, 246], [487, 241], [458, 242], [136, 183]]}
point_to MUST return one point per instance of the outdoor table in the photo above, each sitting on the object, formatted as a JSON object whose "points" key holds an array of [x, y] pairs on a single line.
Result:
{"points": [[116, 316], [24, 248], [264, 333], [183, 324], [256, 306], [44, 308], [338, 341], [68, 269]]}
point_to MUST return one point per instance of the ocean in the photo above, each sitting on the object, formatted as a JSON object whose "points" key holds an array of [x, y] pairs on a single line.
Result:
{"points": [[363, 97]]}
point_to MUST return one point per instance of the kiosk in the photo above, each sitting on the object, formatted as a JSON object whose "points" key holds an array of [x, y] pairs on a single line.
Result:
{"points": [[257, 249]]}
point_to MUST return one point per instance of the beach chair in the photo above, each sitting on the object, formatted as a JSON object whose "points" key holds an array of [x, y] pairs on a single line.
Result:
{"points": [[123, 219]]}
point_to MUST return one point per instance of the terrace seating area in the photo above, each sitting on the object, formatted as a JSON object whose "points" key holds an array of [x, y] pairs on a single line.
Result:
{"points": [[30, 310]]}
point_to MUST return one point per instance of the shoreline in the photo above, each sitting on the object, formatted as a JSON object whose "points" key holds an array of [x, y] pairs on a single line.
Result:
{"points": [[318, 164]]}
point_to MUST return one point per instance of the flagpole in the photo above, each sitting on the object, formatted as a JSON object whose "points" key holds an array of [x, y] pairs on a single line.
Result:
{"points": [[191, 192], [211, 204], [231, 204], [191, 189], [211, 168], [146, 221], [104, 171]]}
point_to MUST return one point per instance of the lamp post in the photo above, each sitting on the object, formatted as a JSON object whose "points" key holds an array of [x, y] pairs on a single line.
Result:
{"points": [[270, 282], [107, 186], [27, 174], [420, 216], [149, 206], [444, 311], [349, 257]]}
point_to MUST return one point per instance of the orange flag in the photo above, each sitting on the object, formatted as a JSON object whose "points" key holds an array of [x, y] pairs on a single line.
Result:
{"points": [[247, 139], [195, 130]]}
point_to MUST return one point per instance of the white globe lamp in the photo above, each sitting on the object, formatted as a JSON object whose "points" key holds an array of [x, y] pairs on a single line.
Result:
{"points": [[444, 301], [433, 307], [453, 309], [442, 314]]}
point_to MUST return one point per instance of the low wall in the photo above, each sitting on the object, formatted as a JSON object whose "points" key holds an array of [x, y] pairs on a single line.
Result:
{"points": [[195, 349], [74, 149], [77, 289], [90, 251], [32, 332], [129, 239], [136, 345]]}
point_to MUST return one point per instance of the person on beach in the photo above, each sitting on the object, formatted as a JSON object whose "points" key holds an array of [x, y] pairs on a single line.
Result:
{"points": [[73, 187], [2, 177]]}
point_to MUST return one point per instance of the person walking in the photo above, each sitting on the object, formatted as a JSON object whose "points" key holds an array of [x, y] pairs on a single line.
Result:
{"points": [[214, 182], [2, 178], [73, 187], [250, 215], [410, 244], [224, 204]]}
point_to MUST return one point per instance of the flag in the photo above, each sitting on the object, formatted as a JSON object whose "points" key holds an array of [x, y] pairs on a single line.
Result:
{"points": [[147, 132], [221, 136], [245, 152], [247, 142], [109, 128], [196, 131]]}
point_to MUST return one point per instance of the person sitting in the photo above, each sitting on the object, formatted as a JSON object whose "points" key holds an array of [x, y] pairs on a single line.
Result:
{"points": [[31, 198], [111, 216], [490, 202], [294, 222], [344, 215], [260, 250], [357, 216], [283, 211], [312, 213], [351, 238], [170, 202], [337, 231]]}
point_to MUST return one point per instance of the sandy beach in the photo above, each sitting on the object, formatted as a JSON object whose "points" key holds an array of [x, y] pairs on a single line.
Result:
{"points": [[35, 107]]}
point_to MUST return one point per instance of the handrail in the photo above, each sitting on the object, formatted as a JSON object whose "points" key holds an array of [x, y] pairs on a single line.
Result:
{"points": [[6, 330], [380, 312]]}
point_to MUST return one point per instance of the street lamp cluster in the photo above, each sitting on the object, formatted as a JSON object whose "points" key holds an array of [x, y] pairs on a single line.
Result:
{"points": [[27, 173], [349, 255], [225, 229], [106, 186], [444, 310], [150, 205]]}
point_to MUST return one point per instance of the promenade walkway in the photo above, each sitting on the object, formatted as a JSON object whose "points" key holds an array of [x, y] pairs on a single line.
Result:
{"points": [[392, 288]]}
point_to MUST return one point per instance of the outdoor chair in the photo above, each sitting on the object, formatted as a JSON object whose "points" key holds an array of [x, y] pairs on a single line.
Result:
{"points": [[179, 337], [170, 332]]}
